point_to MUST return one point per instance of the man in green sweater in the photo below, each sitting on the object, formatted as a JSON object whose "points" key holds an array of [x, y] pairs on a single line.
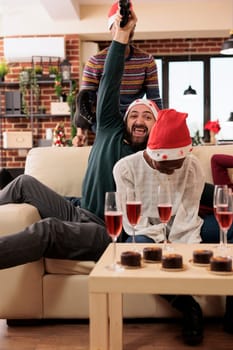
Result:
{"points": [[139, 79], [66, 231], [115, 137]]}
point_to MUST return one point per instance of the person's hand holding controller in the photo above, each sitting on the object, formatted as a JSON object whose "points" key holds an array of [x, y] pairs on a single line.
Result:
{"points": [[122, 34]]}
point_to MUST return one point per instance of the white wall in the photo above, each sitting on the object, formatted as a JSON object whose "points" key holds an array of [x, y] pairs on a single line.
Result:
{"points": [[162, 19]]}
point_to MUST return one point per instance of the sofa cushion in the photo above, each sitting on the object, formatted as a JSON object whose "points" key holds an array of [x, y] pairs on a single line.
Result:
{"points": [[60, 168], [68, 267]]}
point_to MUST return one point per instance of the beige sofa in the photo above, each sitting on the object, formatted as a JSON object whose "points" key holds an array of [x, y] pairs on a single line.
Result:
{"points": [[49, 289]]}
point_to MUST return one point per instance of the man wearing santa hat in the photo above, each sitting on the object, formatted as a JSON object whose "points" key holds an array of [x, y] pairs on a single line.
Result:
{"points": [[139, 78], [166, 159]]}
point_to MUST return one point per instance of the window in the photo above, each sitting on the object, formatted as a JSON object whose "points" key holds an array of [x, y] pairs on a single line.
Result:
{"points": [[221, 78], [210, 76], [182, 75]]}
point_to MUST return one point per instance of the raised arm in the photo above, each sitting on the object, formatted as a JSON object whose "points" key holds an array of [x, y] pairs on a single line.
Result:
{"points": [[108, 109]]}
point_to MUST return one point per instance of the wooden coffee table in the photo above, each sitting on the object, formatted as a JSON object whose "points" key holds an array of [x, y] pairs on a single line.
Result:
{"points": [[106, 289]]}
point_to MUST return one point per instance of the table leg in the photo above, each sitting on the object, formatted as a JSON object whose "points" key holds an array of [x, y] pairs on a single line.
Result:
{"points": [[99, 330], [115, 321]]}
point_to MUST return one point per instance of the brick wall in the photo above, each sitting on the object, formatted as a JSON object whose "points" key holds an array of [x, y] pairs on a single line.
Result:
{"points": [[177, 46], [15, 158]]}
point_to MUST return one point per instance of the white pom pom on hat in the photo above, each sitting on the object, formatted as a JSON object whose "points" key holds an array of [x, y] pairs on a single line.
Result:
{"points": [[142, 101], [169, 138], [112, 13]]}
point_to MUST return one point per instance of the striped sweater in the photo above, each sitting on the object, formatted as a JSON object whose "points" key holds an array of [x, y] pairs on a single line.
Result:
{"points": [[139, 78]]}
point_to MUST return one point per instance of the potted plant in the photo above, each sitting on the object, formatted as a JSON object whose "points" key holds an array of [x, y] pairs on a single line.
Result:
{"points": [[4, 69], [42, 109], [38, 71], [28, 81], [213, 127], [53, 71], [58, 86]]}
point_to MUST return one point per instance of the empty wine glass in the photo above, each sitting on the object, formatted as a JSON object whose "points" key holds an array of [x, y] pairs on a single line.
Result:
{"points": [[224, 212], [113, 221], [164, 208], [133, 208], [221, 239]]}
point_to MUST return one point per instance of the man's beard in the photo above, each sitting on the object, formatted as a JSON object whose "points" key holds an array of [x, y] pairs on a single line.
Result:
{"points": [[136, 146]]}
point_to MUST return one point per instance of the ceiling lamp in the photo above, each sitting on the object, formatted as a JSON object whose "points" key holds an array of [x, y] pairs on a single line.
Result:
{"points": [[190, 91], [227, 46]]}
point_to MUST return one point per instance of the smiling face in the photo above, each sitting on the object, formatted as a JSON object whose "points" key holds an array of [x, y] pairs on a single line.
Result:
{"points": [[139, 122]]}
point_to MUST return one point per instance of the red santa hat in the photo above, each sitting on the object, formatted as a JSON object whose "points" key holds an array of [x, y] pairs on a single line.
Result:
{"points": [[142, 101], [169, 138], [112, 13]]}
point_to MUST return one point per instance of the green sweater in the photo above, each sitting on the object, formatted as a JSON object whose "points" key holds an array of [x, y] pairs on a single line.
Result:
{"points": [[109, 145]]}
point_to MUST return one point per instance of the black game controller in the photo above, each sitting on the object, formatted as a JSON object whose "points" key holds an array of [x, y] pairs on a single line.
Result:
{"points": [[124, 11]]}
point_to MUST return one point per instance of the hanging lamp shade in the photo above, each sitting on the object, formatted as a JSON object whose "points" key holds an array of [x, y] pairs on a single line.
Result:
{"points": [[231, 117], [227, 46], [190, 91]]}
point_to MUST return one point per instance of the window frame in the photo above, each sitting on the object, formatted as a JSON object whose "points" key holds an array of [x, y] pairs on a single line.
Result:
{"points": [[206, 79]]}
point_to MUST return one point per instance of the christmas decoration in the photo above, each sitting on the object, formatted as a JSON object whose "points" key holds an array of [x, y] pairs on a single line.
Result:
{"points": [[213, 127], [59, 137]]}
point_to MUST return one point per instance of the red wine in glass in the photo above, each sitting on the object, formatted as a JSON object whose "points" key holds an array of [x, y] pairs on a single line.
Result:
{"points": [[221, 235], [165, 211], [164, 206], [133, 212], [224, 212], [113, 222], [133, 208], [225, 219]]}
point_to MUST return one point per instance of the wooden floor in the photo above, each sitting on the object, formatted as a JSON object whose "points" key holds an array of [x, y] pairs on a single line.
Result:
{"points": [[159, 335]]}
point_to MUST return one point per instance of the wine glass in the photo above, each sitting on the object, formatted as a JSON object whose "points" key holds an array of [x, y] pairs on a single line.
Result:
{"points": [[216, 188], [164, 208], [113, 221], [133, 208], [224, 212]]}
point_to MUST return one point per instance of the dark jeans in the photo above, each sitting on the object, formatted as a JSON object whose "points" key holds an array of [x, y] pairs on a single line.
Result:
{"points": [[210, 231], [76, 201], [64, 232], [140, 239]]}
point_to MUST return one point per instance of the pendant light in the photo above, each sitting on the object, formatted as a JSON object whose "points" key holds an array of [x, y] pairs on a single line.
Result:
{"points": [[190, 91], [227, 46]]}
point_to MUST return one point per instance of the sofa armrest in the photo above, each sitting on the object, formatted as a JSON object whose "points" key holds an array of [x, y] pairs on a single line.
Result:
{"points": [[15, 217], [204, 154]]}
